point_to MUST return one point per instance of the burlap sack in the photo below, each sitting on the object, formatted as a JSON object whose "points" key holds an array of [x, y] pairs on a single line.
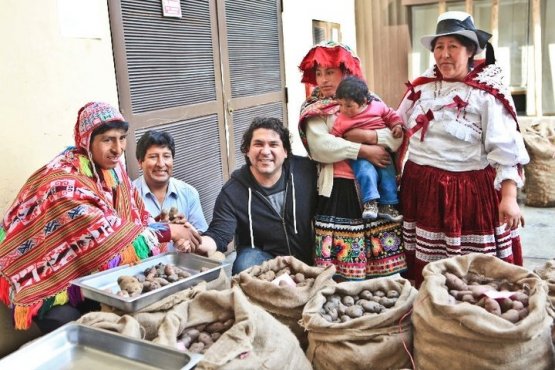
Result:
{"points": [[374, 341], [547, 274], [465, 336], [284, 303], [255, 341], [539, 139], [125, 325], [150, 322]]}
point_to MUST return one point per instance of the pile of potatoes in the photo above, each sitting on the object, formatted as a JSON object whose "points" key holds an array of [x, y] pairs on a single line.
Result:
{"points": [[152, 278], [342, 308], [473, 287], [267, 274], [199, 338]]}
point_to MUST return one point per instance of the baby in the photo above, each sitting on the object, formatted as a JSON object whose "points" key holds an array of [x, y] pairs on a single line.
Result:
{"points": [[358, 108]]}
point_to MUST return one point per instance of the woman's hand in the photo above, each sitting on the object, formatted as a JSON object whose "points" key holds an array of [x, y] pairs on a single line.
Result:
{"points": [[375, 154], [509, 211]]}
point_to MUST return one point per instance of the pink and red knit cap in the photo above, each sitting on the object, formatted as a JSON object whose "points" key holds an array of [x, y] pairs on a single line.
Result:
{"points": [[329, 54], [91, 116]]}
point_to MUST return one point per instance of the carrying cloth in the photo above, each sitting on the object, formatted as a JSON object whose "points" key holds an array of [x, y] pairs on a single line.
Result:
{"points": [[255, 341], [70, 219], [286, 304], [466, 336], [539, 139], [373, 341]]}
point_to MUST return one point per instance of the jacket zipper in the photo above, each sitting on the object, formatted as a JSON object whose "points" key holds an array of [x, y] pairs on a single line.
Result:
{"points": [[280, 216]]}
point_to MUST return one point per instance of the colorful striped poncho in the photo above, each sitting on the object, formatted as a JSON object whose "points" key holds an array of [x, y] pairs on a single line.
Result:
{"points": [[71, 219]]}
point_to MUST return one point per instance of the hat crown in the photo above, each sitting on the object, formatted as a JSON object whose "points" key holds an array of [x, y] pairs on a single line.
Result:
{"points": [[91, 116], [454, 14]]}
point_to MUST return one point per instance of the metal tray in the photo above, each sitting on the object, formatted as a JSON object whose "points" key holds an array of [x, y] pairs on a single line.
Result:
{"points": [[75, 346], [103, 286]]}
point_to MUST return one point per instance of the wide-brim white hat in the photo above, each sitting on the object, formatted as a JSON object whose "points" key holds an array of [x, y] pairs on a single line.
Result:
{"points": [[457, 23]]}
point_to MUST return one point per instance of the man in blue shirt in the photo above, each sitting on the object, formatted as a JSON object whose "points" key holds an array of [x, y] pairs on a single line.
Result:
{"points": [[159, 190]]}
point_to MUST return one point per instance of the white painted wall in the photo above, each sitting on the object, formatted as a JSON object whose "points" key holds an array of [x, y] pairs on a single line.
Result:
{"points": [[56, 55], [297, 39]]}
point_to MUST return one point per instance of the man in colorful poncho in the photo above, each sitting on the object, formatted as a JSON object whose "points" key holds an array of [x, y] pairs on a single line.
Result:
{"points": [[76, 215]]}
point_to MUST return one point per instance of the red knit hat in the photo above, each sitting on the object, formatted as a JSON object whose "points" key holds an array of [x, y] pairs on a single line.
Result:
{"points": [[91, 116], [329, 54]]}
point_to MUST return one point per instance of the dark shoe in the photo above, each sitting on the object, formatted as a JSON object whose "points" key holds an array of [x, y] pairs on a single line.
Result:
{"points": [[389, 212]]}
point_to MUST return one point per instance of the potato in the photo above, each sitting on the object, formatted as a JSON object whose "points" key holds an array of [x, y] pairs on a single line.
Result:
{"points": [[366, 294], [299, 278], [283, 271], [392, 294], [344, 318], [204, 337], [468, 298], [255, 271], [327, 317], [228, 324], [122, 293], [172, 278], [169, 269], [334, 314], [330, 306], [215, 327], [506, 304], [511, 315], [523, 313], [196, 347], [458, 294], [348, 300], [131, 285], [521, 297], [334, 298], [186, 340], [215, 336], [192, 333], [306, 282], [379, 293], [454, 282], [517, 305], [354, 311], [388, 302], [161, 281], [492, 306], [372, 307], [341, 309]]}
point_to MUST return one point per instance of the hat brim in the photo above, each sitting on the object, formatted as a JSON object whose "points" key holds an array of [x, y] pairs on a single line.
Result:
{"points": [[426, 41]]}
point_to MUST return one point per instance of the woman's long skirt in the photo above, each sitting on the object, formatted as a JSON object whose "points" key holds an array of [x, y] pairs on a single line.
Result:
{"points": [[450, 214], [359, 249]]}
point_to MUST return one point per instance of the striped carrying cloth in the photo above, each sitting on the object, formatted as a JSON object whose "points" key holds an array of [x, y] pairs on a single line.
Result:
{"points": [[71, 219]]}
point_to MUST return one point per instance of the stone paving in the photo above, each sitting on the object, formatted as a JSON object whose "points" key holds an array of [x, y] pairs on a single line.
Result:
{"points": [[538, 235]]}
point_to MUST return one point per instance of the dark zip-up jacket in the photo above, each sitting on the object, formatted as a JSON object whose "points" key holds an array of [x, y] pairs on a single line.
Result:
{"points": [[289, 234]]}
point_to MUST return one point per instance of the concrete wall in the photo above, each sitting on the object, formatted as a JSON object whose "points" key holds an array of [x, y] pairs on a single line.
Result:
{"points": [[56, 55], [297, 38]]}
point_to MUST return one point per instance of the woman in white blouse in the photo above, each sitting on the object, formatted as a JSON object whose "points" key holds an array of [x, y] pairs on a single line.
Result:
{"points": [[463, 153]]}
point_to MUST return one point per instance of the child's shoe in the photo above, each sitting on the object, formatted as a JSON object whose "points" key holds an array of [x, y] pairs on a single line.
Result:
{"points": [[388, 212], [370, 211]]}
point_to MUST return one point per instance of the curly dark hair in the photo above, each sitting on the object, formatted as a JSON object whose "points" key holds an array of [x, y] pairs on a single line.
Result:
{"points": [[269, 123]]}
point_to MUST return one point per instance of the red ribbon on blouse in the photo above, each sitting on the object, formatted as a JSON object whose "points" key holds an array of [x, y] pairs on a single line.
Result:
{"points": [[457, 103], [422, 122]]}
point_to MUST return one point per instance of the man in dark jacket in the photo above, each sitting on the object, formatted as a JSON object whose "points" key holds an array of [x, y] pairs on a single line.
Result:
{"points": [[268, 204]]}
